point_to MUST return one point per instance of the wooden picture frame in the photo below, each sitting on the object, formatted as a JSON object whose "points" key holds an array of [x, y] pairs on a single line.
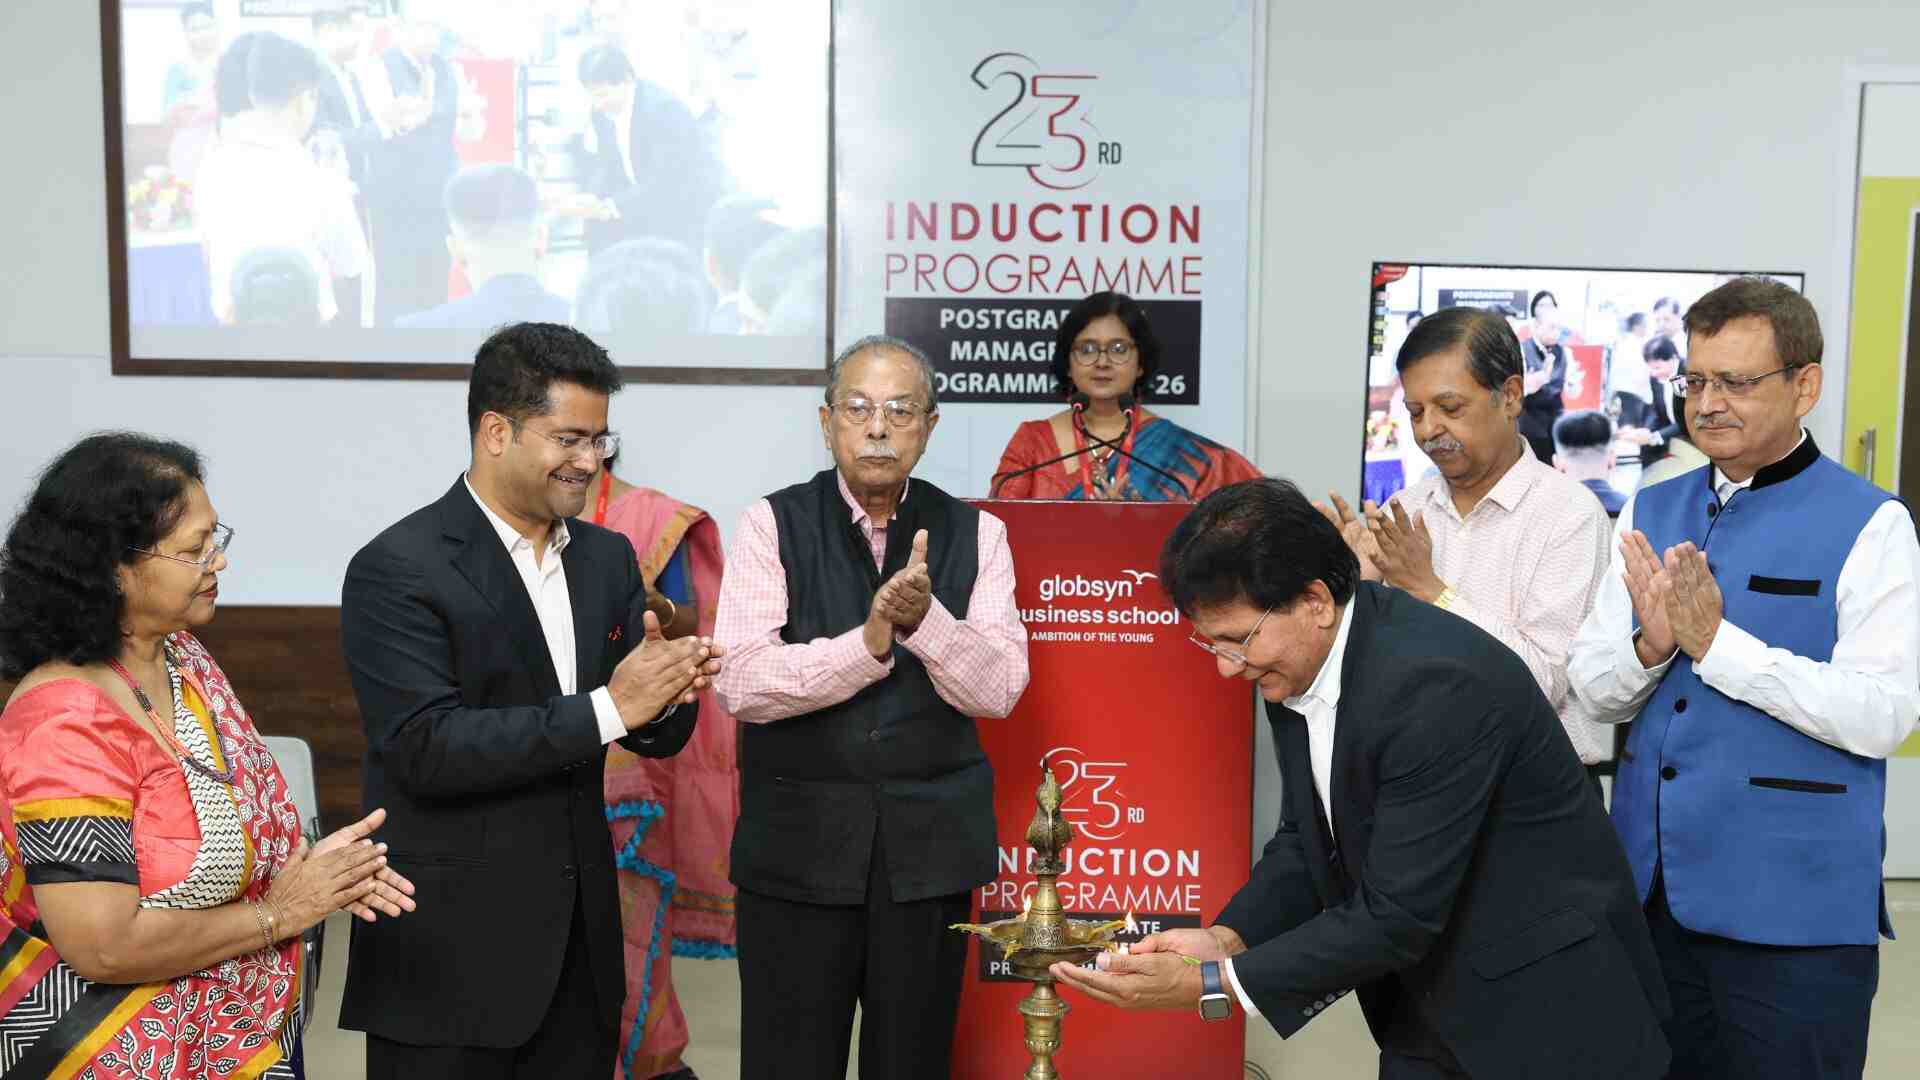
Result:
{"points": [[124, 362]]}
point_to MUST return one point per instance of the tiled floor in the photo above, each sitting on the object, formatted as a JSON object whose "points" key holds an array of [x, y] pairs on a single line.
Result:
{"points": [[1335, 1046]]}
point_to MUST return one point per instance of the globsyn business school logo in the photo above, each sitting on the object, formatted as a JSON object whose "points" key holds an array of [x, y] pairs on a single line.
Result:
{"points": [[1042, 126]]}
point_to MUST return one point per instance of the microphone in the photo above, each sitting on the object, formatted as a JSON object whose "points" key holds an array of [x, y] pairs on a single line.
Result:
{"points": [[1079, 403], [1125, 401]]}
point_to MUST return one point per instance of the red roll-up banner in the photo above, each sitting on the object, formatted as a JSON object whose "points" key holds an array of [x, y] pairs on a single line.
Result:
{"points": [[1153, 751]]}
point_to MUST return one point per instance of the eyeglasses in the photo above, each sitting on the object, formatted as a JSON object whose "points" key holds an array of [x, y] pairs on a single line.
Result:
{"points": [[216, 547], [604, 446], [1233, 656], [1087, 353], [1730, 385], [858, 411]]}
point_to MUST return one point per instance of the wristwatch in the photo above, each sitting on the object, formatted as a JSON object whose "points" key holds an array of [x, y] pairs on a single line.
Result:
{"points": [[1215, 1003]]}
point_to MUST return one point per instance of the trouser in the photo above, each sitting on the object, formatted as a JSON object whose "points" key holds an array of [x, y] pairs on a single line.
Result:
{"points": [[1755, 1012], [573, 1040], [804, 966]]}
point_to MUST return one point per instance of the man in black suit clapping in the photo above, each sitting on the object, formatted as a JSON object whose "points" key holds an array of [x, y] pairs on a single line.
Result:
{"points": [[1439, 848], [497, 645]]}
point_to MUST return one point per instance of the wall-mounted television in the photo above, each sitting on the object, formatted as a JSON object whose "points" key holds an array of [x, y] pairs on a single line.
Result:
{"points": [[1602, 325]]}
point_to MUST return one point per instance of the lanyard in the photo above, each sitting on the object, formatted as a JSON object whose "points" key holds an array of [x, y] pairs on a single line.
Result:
{"points": [[1086, 458], [600, 503]]}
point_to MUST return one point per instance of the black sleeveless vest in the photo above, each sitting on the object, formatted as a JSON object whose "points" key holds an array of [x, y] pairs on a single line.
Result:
{"points": [[895, 756]]}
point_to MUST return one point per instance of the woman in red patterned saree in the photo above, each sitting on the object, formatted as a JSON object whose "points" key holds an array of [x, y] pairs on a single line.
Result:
{"points": [[154, 883], [672, 818], [1105, 356]]}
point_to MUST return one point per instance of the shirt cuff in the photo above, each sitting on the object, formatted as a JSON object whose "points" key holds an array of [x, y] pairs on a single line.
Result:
{"points": [[1234, 981], [851, 656], [607, 716], [1732, 661]]}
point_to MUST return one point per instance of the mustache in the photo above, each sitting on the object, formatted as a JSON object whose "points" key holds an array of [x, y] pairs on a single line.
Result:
{"points": [[878, 451], [1441, 443], [1720, 423]]}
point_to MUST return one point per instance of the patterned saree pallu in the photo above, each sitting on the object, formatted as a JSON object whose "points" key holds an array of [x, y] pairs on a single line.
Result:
{"points": [[90, 796]]}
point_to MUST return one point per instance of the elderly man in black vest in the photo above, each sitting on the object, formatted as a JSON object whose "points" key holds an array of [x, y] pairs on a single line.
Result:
{"points": [[869, 619]]}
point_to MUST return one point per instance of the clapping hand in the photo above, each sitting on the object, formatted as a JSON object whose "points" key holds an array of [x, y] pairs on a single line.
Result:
{"points": [[1642, 569], [1355, 532], [1692, 600], [901, 602], [660, 673], [392, 894], [1405, 550]]}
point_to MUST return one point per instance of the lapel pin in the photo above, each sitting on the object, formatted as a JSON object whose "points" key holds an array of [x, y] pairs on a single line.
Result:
{"points": [[616, 634]]}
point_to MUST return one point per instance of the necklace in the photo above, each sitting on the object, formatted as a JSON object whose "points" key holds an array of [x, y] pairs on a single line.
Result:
{"points": [[186, 759]]}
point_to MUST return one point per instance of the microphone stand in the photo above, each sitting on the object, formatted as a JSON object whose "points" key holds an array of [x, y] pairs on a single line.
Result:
{"points": [[1094, 441]]}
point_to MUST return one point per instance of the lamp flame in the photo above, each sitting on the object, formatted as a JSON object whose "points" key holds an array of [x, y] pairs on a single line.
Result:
{"points": [[1025, 907], [1132, 927]]}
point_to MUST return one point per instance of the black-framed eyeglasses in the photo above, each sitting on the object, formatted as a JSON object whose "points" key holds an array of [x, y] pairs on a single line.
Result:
{"points": [[1088, 353], [1730, 385], [604, 446], [858, 411], [217, 543], [1233, 656]]}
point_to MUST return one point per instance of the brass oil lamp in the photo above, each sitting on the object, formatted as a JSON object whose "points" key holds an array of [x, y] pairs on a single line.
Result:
{"points": [[1042, 935]]}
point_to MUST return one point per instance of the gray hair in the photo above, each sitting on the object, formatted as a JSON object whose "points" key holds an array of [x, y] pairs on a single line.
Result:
{"points": [[876, 342]]}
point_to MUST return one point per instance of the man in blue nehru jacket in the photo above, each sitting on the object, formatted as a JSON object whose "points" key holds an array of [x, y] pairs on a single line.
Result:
{"points": [[1760, 623]]}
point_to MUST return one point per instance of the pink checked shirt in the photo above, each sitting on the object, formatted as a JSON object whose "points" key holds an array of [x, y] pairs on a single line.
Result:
{"points": [[1526, 563], [978, 664]]}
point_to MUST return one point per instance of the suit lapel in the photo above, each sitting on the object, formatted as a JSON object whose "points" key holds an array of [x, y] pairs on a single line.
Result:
{"points": [[480, 557], [589, 640]]}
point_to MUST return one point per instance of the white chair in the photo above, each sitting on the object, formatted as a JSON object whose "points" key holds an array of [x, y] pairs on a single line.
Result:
{"points": [[295, 759]]}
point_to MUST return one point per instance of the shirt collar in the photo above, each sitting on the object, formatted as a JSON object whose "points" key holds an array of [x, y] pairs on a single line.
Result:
{"points": [[853, 504], [556, 538], [1802, 455], [1326, 685]]}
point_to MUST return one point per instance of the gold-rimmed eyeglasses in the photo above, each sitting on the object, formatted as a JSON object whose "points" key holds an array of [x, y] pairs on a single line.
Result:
{"points": [[858, 411], [1728, 385], [217, 544], [1233, 656]]}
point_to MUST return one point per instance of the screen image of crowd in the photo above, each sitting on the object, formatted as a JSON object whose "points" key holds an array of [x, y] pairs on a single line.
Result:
{"points": [[1598, 347], [638, 169]]}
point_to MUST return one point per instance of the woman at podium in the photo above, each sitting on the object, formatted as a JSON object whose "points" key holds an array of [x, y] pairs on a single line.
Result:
{"points": [[1106, 445]]}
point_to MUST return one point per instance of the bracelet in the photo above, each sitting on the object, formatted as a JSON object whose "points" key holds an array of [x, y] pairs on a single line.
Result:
{"points": [[1446, 598], [265, 922], [673, 610]]}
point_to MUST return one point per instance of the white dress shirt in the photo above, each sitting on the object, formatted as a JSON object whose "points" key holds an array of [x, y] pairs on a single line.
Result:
{"points": [[546, 583], [1318, 705], [1865, 700], [1524, 564]]}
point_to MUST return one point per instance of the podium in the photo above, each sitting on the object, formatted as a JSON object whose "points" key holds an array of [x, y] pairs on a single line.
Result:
{"points": [[1154, 753]]}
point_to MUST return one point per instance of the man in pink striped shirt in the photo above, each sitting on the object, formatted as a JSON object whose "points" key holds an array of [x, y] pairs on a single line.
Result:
{"points": [[1496, 535], [867, 621]]}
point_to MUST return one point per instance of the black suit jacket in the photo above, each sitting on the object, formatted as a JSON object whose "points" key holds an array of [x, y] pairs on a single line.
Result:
{"points": [[410, 171], [668, 185], [1668, 424], [491, 778], [1472, 879]]}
